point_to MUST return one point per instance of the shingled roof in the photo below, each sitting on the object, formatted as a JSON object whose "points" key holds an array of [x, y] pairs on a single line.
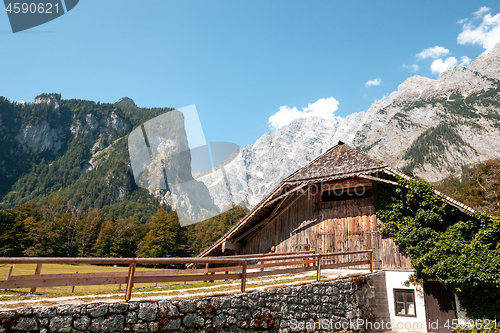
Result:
{"points": [[339, 162]]}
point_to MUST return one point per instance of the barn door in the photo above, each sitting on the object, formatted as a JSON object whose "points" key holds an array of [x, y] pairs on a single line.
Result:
{"points": [[333, 231], [439, 307]]}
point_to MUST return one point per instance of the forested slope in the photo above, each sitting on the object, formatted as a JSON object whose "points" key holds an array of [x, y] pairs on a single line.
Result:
{"points": [[67, 187], [477, 186]]}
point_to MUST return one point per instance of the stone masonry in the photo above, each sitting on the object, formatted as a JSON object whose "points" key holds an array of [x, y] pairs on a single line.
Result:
{"points": [[267, 310]]}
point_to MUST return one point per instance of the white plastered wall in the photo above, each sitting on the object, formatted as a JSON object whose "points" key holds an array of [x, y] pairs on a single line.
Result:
{"points": [[396, 280]]}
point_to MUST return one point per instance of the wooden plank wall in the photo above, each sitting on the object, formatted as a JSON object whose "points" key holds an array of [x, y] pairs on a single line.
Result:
{"points": [[291, 231], [334, 226]]}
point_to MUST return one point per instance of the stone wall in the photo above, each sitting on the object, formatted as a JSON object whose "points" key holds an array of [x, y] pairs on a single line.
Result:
{"points": [[272, 310]]}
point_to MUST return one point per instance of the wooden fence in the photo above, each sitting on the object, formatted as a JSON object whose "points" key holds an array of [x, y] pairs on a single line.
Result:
{"points": [[267, 265]]}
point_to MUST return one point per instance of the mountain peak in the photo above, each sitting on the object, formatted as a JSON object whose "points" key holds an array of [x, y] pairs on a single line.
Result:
{"points": [[127, 101], [425, 126], [48, 99], [488, 63]]}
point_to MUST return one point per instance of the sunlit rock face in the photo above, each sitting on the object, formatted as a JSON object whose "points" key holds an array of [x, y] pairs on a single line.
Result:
{"points": [[432, 127]]}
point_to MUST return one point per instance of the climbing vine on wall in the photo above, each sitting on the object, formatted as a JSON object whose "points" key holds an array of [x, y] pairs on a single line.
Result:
{"points": [[459, 250]]}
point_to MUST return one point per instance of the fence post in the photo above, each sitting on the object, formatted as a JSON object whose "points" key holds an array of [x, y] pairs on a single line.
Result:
{"points": [[244, 276], [37, 272], [206, 272], [73, 287], [9, 273], [130, 281], [371, 261], [318, 268]]}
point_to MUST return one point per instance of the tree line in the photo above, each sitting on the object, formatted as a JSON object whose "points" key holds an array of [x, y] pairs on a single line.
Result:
{"points": [[52, 228], [477, 186]]}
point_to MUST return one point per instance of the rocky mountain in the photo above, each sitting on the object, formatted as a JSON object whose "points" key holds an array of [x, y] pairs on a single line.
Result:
{"points": [[79, 150], [73, 149], [434, 127], [431, 127]]}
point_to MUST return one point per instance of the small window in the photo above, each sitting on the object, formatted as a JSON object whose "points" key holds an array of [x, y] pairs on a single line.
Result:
{"points": [[404, 301]]}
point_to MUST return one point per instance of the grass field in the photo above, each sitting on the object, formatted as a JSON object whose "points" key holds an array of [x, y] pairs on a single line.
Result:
{"points": [[29, 269], [14, 298]]}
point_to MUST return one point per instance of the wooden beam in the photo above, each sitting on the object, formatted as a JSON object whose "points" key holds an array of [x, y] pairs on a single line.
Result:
{"points": [[293, 270], [258, 255], [379, 179], [130, 281], [328, 254], [318, 268], [262, 222], [9, 273], [242, 222], [286, 194], [285, 263], [182, 278], [37, 272], [462, 207], [73, 286], [232, 245], [345, 184], [42, 282], [347, 264], [371, 261], [68, 276], [11, 284], [244, 276], [270, 218]]}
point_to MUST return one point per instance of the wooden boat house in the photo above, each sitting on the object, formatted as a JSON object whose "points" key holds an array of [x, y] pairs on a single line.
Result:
{"points": [[327, 206]]}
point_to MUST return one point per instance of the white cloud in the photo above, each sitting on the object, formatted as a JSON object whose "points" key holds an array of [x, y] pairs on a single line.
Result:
{"points": [[439, 66], [375, 82], [413, 68], [486, 34], [323, 107], [481, 11], [465, 61], [433, 52]]}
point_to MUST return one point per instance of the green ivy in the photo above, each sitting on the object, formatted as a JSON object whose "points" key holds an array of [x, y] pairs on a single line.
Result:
{"points": [[444, 244]]}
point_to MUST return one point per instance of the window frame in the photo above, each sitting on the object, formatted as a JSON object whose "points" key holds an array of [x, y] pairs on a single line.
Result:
{"points": [[405, 291]]}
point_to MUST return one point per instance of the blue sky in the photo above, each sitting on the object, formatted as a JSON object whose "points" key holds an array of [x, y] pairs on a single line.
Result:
{"points": [[241, 62]]}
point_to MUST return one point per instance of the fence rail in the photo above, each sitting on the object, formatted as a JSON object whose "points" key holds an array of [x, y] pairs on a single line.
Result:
{"points": [[301, 261]]}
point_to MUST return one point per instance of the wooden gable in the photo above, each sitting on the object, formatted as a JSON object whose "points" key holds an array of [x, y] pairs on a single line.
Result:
{"points": [[312, 223]]}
